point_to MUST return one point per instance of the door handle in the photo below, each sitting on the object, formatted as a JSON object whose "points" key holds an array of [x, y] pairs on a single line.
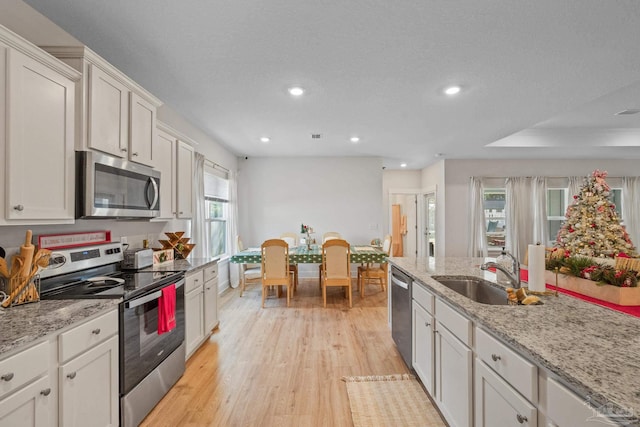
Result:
{"points": [[400, 283]]}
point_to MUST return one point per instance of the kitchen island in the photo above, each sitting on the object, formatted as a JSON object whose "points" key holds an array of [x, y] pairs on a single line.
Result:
{"points": [[591, 350]]}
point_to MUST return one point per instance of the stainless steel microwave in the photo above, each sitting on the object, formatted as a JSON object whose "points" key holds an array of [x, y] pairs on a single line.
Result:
{"points": [[108, 187]]}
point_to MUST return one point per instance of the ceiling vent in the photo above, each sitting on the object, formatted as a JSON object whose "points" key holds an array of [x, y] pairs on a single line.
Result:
{"points": [[628, 112], [316, 136]]}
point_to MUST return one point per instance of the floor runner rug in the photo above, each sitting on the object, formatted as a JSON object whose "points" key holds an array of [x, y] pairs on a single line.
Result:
{"points": [[390, 400]]}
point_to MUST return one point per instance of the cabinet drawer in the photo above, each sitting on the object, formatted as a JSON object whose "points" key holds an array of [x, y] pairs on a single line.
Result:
{"points": [[517, 371], [22, 368], [455, 322], [193, 281], [423, 297], [211, 272], [87, 335]]}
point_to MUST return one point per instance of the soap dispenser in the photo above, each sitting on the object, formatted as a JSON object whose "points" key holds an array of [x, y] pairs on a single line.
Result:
{"points": [[507, 263]]}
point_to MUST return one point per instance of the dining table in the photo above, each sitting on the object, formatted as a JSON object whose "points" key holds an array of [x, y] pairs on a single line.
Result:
{"points": [[312, 254], [303, 254]]}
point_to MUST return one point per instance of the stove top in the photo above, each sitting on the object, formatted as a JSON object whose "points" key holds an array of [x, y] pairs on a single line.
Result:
{"points": [[117, 284]]}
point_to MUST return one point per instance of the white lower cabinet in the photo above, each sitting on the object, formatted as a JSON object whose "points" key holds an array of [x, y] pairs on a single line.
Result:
{"points": [[210, 297], [497, 403], [73, 374], [29, 407], [453, 367], [89, 387], [423, 346], [194, 311]]}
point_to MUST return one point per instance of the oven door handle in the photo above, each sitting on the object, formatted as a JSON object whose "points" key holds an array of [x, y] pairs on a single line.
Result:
{"points": [[153, 296]]}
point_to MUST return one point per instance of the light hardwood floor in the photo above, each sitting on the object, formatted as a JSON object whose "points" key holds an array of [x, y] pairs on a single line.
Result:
{"points": [[282, 366]]}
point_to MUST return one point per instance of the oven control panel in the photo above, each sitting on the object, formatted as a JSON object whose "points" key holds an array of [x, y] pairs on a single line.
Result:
{"points": [[70, 260]]}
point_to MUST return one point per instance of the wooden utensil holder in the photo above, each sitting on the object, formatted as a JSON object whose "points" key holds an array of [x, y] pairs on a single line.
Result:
{"points": [[21, 291]]}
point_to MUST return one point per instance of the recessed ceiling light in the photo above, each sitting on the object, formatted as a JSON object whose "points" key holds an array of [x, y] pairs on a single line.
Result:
{"points": [[628, 112], [452, 90], [296, 91], [354, 139], [438, 155], [265, 139], [403, 165]]}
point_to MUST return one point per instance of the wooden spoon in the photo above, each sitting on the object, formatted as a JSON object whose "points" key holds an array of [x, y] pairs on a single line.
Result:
{"points": [[4, 271]]}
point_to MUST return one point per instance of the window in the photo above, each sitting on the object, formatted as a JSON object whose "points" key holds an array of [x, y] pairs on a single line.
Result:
{"points": [[556, 210], [216, 196], [615, 197], [494, 201]]}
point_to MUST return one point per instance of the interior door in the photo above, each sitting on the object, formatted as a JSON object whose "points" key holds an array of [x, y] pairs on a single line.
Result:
{"points": [[430, 224]]}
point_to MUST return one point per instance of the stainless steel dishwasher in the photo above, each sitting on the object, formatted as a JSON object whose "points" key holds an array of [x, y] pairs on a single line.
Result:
{"points": [[401, 313]]}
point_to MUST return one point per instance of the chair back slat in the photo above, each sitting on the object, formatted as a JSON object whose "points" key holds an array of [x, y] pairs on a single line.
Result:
{"points": [[335, 255], [386, 246]]}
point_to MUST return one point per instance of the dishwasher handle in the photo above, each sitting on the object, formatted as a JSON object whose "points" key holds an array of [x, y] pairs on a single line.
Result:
{"points": [[399, 282]]}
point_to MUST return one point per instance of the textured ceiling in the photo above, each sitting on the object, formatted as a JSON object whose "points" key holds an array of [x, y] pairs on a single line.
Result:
{"points": [[540, 79]]}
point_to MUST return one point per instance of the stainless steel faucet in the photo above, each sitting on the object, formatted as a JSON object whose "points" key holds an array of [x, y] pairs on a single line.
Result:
{"points": [[514, 277]]}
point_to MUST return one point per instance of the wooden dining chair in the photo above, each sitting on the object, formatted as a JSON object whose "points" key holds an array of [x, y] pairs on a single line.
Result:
{"points": [[375, 272], [275, 266], [249, 273], [329, 235], [292, 241], [336, 267]]}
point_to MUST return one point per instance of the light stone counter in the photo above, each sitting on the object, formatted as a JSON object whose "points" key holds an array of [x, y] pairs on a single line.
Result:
{"points": [[23, 325], [183, 265], [591, 349]]}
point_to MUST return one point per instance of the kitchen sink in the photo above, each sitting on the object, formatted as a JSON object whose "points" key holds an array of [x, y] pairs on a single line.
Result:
{"points": [[474, 288]]}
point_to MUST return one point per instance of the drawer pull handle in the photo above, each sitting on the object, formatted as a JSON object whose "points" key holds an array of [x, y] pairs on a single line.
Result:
{"points": [[19, 208], [124, 150], [7, 377], [427, 324], [71, 376], [96, 331], [521, 419], [495, 357], [46, 392], [134, 154]]}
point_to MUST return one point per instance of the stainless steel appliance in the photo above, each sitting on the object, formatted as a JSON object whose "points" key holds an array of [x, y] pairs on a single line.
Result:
{"points": [[108, 187], [135, 259], [150, 364], [401, 324]]}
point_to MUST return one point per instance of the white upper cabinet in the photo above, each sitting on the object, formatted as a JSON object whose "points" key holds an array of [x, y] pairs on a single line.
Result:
{"points": [[37, 146], [165, 161], [116, 115], [108, 116], [142, 130], [185, 180]]}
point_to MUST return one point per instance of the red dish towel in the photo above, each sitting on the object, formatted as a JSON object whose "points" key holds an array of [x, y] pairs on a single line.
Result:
{"points": [[167, 309]]}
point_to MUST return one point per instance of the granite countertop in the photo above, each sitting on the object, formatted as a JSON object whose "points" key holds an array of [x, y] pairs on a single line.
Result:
{"points": [[183, 265], [591, 349], [26, 324]]}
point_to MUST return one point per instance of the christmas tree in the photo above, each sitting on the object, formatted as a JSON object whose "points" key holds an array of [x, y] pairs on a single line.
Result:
{"points": [[592, 227]]}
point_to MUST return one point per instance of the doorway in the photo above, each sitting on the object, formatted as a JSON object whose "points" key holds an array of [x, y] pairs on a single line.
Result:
{"points": [[429, 224], [404, 224]]}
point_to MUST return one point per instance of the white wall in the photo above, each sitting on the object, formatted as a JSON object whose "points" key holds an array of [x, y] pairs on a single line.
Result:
{"points": [[458, 172], [328, 193]]}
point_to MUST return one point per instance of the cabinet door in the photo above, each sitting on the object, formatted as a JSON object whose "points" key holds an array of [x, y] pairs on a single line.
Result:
{"points": [[185, 180], [423, 346], [454, 393], [194, 319], [40, 131], [498, 404], [143, 130], [89, 387], [164, 160], [210, 305], [108, 119], [29, 407]]}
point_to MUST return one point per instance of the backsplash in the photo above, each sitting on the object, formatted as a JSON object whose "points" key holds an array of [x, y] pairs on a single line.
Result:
{"points": [[134, 232]]}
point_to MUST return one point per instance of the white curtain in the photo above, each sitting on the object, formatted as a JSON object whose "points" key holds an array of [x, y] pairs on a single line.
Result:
{"points": [[539, 200], [199, 234], [575, 183], [519, 215], [232, 229], [477, 223], [630, 207]]}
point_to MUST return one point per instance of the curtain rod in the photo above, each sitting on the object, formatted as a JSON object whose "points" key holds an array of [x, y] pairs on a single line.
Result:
{"points": [[216, 166]]}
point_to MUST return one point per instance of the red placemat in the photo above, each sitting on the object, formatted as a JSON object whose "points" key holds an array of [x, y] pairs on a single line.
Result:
{"points": [[633, 310]]}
